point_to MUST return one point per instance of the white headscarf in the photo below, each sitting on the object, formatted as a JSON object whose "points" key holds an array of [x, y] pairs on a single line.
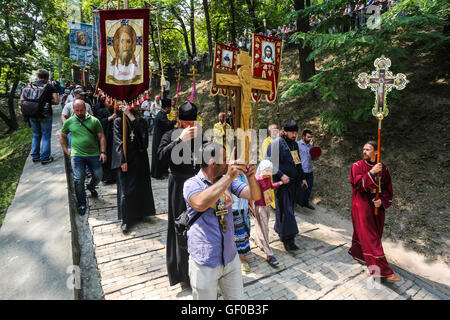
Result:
{"points": [[263, 165]]}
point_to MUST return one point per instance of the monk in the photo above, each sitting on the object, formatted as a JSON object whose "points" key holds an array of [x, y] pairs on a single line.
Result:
{"points": [[368, 227]]}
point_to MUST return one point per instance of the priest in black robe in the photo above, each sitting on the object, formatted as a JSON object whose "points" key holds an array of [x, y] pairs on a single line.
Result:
{"points": [[180, 144], [161, 126], [134, 189], [105, 113], [284, 154]]}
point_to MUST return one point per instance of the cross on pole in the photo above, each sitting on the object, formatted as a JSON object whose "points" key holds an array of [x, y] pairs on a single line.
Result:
{"points": [[152, 73], [243, 83], [381, 81], [179, 76], [193, 74]]}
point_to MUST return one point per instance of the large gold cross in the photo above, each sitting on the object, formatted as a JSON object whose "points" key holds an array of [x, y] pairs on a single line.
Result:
{"points": [[381, 81], [244, 82]]}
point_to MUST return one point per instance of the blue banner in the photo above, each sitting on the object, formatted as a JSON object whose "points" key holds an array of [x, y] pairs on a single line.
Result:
{"points": [[80, 43], [96, 34]]}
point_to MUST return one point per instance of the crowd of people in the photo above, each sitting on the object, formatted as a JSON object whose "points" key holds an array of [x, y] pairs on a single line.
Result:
{"points": [[356, 13], [218, 198]]}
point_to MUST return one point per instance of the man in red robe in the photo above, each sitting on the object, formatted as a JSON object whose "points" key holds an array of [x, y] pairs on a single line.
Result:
{"points": [[368, 227]]}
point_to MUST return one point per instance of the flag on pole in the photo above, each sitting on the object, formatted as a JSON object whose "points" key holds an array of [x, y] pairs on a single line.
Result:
{"points": [[124, 60], [266, 62]]}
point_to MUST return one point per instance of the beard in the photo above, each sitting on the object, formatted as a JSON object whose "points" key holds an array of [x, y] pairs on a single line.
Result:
{"points": [[125, 56]]}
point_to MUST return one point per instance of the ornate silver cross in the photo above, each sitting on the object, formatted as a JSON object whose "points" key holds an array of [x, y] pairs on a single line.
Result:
{"points": [[381, 81]]}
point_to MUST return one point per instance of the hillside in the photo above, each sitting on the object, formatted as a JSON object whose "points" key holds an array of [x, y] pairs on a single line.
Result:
{"points": [[415, 147]]}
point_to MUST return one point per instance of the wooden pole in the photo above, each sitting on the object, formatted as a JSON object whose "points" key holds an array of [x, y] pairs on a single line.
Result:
{"points": [[124, 119], [226, 103], [124, 134], [256, 109], [377, 195], [232, 111]]}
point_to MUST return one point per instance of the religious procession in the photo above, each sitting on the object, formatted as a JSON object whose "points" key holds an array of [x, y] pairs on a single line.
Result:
{"points": [[224, 150]]}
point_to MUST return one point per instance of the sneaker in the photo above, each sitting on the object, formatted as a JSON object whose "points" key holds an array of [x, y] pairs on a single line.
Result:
{"points": [[47, 161], [94, 193], [81, 210], [310, 207], [36, 160]]}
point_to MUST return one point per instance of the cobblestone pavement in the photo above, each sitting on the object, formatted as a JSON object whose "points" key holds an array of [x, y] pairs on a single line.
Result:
{"points": [[133, 266]]}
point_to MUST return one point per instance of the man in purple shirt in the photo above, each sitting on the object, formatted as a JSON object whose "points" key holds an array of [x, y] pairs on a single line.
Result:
{"points": [[304, 146], [213, 260]]}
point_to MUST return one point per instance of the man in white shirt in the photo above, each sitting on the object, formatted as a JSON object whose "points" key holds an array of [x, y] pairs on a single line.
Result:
{"points": [[67, 111], [154, 109], [145, 106]]}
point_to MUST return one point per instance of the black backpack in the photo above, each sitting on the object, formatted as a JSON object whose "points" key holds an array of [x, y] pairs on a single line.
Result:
{"points": [[32, 105]]}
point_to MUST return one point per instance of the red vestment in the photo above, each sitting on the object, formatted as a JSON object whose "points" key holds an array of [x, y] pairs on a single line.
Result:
{"points": [[368, 228]]}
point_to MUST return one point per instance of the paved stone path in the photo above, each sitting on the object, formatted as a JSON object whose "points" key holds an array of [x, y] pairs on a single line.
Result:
{"points": [[133, 266]]}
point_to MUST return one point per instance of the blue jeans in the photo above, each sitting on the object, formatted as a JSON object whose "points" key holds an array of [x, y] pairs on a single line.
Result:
{"points": [[150, 122], [79, 173], [42, 130], [310, 179]]}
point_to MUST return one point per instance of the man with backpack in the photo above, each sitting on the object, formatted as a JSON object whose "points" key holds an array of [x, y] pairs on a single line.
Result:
{"points": [[36, 103]]}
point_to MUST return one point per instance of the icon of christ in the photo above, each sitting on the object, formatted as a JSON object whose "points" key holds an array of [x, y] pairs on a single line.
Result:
{"points": [[125, 66]]}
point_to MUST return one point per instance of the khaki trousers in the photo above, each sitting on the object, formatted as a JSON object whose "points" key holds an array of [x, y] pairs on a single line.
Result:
{"points": [[206, 280], [261, 229]]}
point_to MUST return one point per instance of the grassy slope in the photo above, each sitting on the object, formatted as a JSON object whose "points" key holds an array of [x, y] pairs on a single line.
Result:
{"points": [[416, 141], [14, 150]]}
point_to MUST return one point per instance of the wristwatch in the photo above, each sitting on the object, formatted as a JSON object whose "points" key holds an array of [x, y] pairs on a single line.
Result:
{"points": [[103, 152]]}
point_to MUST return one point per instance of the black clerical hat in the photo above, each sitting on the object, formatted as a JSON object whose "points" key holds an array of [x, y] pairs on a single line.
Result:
{"points": [[290, 125], [187, 112], [166, 103]]}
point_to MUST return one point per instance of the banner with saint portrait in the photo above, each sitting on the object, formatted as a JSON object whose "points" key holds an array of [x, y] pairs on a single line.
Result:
{"points": [[124, 61], [80, 39], [225, 61], [266, 62]]}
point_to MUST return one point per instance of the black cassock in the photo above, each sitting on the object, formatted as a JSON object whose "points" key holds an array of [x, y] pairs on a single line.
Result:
{"points": [[102, 114], [285, 223], [176, 256], [162, 125], [134, 189]]}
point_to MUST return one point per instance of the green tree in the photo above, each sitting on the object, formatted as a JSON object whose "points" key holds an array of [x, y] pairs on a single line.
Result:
{"points": [[27, 27], [417, 24]]}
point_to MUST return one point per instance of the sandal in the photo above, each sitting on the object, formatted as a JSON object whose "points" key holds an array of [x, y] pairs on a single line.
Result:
{"points": [[273, 262], [245, 267], [393, 278]]}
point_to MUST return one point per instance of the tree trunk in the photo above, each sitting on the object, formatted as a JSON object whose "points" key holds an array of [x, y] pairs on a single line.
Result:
{"points": [[307, 68], [216, 33], [183, 28], [154, 45], [251, 11], [233, 23], [208, 29], [192, 27], [11, 121]]}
